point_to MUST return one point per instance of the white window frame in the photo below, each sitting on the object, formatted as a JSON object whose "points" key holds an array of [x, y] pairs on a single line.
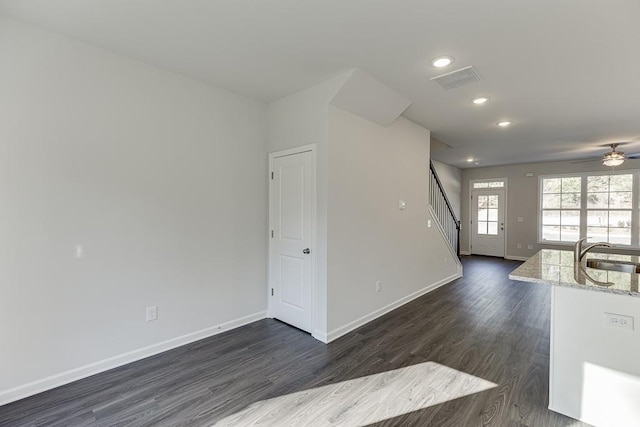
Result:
{"points": [[635, 208], [488, 181]]}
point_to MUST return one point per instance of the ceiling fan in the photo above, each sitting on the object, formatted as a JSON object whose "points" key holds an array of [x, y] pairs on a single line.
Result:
{"points": [[611, 158]]}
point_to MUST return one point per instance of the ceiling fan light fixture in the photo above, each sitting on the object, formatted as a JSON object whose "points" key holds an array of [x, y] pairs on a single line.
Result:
{"points": [[613, 162]]}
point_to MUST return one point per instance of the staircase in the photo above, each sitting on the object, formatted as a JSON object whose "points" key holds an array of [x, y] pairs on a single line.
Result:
{"points": [[442, 212]]}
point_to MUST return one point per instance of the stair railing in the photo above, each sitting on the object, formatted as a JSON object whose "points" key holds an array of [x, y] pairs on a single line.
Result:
{"points": [[444, 214]]}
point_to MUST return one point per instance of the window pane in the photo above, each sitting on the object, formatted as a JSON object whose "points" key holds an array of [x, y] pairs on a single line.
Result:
{"points": [[550, 232], [571, 200], [480, 185], [597, 218], [571, 185], [621, 236], [618, 278], [597, 234], [569, 234], [482, 214], [570, 218], [493, 201], [599, 275], [597, 200], [482, 201], [551, 185], [551, 201], [598, 183], [621, 182], [551, 217], [493, 214], [482, 227], [619, 218], [493, 228], [620, 200], [496, 184]]}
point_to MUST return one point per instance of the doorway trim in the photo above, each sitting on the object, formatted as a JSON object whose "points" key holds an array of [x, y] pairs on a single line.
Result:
{"points": [[313, 148], [506, 209]]}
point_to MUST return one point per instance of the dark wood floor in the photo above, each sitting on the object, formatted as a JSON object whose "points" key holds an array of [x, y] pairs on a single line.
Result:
{"points": [[482, 324]]}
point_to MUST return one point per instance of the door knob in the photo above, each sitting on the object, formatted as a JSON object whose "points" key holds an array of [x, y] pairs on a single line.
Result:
{"points": [[306, 251]]}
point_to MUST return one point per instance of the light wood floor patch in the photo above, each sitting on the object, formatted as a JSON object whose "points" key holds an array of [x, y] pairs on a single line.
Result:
{"points": [[362, 401]]}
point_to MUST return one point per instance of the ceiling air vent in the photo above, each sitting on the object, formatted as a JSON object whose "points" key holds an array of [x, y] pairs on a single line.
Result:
{"points": [[457, 78]]}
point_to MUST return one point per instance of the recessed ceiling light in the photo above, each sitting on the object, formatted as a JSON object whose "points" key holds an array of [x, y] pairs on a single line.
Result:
{"points": [[481, 100], [504, 123], [470, 159], [441, 61]]}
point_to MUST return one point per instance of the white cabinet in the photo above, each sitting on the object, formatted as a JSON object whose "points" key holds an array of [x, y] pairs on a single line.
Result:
{"points": [[595, 363]]}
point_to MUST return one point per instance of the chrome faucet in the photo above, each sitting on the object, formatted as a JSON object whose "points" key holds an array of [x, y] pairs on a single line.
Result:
{"points": [[579, 252]]}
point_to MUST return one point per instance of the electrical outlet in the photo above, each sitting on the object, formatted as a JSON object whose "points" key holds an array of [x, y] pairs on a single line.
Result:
{"points": [[519, 246], [378, 286], [79, 251], [529, 246], [619, 321], [152, 313]]}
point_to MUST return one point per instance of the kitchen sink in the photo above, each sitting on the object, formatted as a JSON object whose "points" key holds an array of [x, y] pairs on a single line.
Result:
{"points": [[621, 266]]}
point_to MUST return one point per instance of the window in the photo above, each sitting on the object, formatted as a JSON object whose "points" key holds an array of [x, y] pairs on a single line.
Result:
{"points": [[601, 207], [488, 215], [561, 209], [609, 208], [489, 184]]}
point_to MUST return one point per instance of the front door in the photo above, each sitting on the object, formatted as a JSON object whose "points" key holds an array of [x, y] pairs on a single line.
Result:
{"points": [[487, 235], [290, 254]]}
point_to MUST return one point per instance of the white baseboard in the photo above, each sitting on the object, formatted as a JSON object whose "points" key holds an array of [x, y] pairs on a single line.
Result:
{"points": [[320, 336], [343, 330], [35, 387], [574, 416], [465, 252], [516, 258]]}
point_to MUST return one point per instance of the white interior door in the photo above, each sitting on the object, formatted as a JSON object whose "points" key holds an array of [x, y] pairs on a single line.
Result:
{"points": [[291, 244], [487, 235]]}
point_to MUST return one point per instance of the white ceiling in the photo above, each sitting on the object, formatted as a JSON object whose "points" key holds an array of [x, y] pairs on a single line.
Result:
{"points": [[566, 72]]}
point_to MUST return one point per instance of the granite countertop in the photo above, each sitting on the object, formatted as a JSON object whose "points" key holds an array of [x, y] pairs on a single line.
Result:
{"points": [[557, 267]]}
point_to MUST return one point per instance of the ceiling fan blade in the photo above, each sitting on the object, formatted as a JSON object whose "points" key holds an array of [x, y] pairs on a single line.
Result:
{"points": [[633, 156], [589, 160]]}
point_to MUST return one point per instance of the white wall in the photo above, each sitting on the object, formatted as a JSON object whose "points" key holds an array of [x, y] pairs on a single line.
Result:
{"points": [[451, 180], [160, 178], [294, 121], [371, 168], [522, 199]]}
